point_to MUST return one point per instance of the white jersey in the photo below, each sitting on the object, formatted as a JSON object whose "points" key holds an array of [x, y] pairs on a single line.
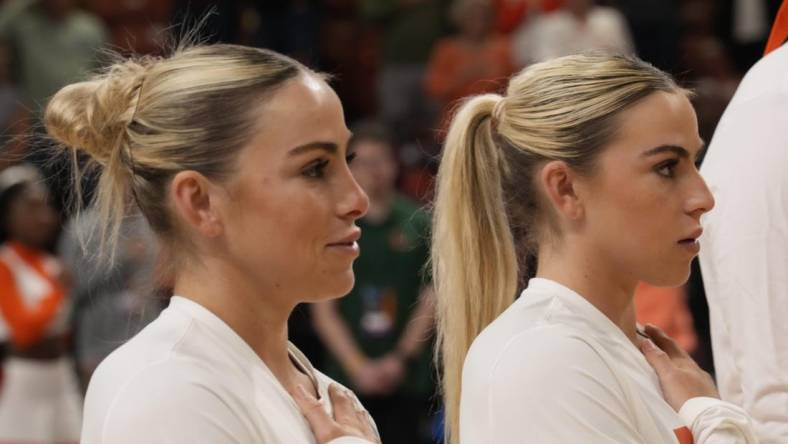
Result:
{"points": [[554, 369], [189, 378], [744, 249]]}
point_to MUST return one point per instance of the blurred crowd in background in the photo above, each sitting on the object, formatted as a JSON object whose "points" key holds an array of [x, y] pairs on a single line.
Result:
{"points": [[400, 67]]}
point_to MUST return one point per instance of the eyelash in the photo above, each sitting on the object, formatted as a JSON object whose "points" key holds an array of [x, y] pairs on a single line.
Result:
{"points": [[317, 169], [670, 165]]}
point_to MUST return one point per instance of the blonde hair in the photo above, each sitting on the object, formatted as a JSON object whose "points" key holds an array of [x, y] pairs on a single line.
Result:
{"points": [[146, 119], [488, 216]]}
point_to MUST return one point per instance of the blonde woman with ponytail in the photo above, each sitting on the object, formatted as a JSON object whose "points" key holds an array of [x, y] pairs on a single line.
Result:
{"points": [[583, 176], [237, 157]]}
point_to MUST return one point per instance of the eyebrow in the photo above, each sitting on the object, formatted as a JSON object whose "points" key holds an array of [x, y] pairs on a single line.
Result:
{"points": [[329, 147], [678, 150]]}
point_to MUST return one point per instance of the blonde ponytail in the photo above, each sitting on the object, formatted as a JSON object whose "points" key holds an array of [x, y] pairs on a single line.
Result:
{"points": [[473, 255]]}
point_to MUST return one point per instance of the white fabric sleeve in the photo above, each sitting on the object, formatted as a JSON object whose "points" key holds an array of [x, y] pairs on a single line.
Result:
{"points": [[349, 440], [172, 410], [744, 260], [548, 389], [717, 422]]}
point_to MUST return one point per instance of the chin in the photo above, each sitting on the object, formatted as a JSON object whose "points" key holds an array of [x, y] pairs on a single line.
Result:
{"points": [[337, 288], [675, 278]]}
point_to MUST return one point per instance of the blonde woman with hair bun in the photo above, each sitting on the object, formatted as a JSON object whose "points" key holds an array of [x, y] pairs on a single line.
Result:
{"points": [[583, 176], [237, 157]]}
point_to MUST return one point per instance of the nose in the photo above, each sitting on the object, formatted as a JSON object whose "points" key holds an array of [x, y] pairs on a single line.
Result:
{"points": [[354, 202], [701, 200]]}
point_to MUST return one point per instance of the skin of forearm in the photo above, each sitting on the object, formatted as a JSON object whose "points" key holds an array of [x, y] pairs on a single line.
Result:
{"points": [[420, 325], [336, 335]]}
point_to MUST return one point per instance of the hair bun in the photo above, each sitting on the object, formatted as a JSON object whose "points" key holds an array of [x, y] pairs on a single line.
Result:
{"points": [[92, 116]]}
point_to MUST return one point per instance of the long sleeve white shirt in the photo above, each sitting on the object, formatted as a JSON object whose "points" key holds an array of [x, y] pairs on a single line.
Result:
{"points": [[744, 250], [188, 378], [553, 369]]}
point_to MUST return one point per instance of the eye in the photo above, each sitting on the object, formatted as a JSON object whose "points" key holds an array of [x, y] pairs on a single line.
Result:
{"points": [[667, 168], [316, 169], [350, 157]]}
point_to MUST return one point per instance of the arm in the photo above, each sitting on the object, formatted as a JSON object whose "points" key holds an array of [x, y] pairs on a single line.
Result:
{"points": [[744, 258], [335, 334], [419, 327]]}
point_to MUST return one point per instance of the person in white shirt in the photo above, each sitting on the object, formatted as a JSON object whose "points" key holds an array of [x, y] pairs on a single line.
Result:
{"points": [[583, 174], [744, 259], [580, 26], [237, 157]]}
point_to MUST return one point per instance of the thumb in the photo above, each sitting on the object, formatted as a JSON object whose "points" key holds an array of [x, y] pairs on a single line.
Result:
{"points": [[313, 411], [657, 358]]}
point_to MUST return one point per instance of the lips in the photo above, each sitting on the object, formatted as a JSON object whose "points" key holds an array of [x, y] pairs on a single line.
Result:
{"points": [[693, 237], [348, 240]]}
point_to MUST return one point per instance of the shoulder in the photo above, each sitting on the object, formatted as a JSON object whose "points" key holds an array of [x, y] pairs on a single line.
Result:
{"points": [[544, 374], [557, 349], [539, 362], [169, 400]]}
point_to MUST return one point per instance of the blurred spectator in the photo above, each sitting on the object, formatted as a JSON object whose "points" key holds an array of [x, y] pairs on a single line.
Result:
{"points": [[378, 334], [667, 309], [744, 26], [290, 27], [580, 26], [136, 26], [409, 29], [713, 78], [510, 14], [55, 43], [220, 21], [40, 401], [111, 303], [474, 61], [13, 118], [350, 50], [656, 28]]}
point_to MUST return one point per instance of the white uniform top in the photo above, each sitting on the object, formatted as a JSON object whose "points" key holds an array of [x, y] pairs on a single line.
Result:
{"points": [[553, 369], [189, 378], [744, 250]]}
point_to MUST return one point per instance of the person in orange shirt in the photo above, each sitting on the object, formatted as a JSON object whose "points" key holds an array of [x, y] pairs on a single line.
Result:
{"points": [[666, 307], [40, 400], [474, 61]]}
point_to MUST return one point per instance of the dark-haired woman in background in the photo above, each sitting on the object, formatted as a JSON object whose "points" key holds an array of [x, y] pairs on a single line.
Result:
{"points": [[40, 402]]}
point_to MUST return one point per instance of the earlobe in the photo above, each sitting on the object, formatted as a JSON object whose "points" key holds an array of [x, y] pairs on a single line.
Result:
{"points": [[559, 183], [195, 203]]}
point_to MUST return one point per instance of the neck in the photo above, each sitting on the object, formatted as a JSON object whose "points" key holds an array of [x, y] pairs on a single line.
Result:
{"points": [[257, 312], [594, 279]]}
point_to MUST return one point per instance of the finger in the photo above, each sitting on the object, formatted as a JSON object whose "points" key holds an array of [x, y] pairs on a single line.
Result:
{"points": [[665, 342], [344, 410], [657, 358], [314, 413]]}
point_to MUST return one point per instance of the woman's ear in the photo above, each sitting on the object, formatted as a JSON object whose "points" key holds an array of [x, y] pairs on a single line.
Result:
{"points": [[559, 182], [196, 203]]}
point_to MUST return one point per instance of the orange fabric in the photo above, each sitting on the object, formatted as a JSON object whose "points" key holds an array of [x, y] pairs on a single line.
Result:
{"points": [[684, 435], [457, 70], [667, 309], [27, 324], [779, 30]]}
